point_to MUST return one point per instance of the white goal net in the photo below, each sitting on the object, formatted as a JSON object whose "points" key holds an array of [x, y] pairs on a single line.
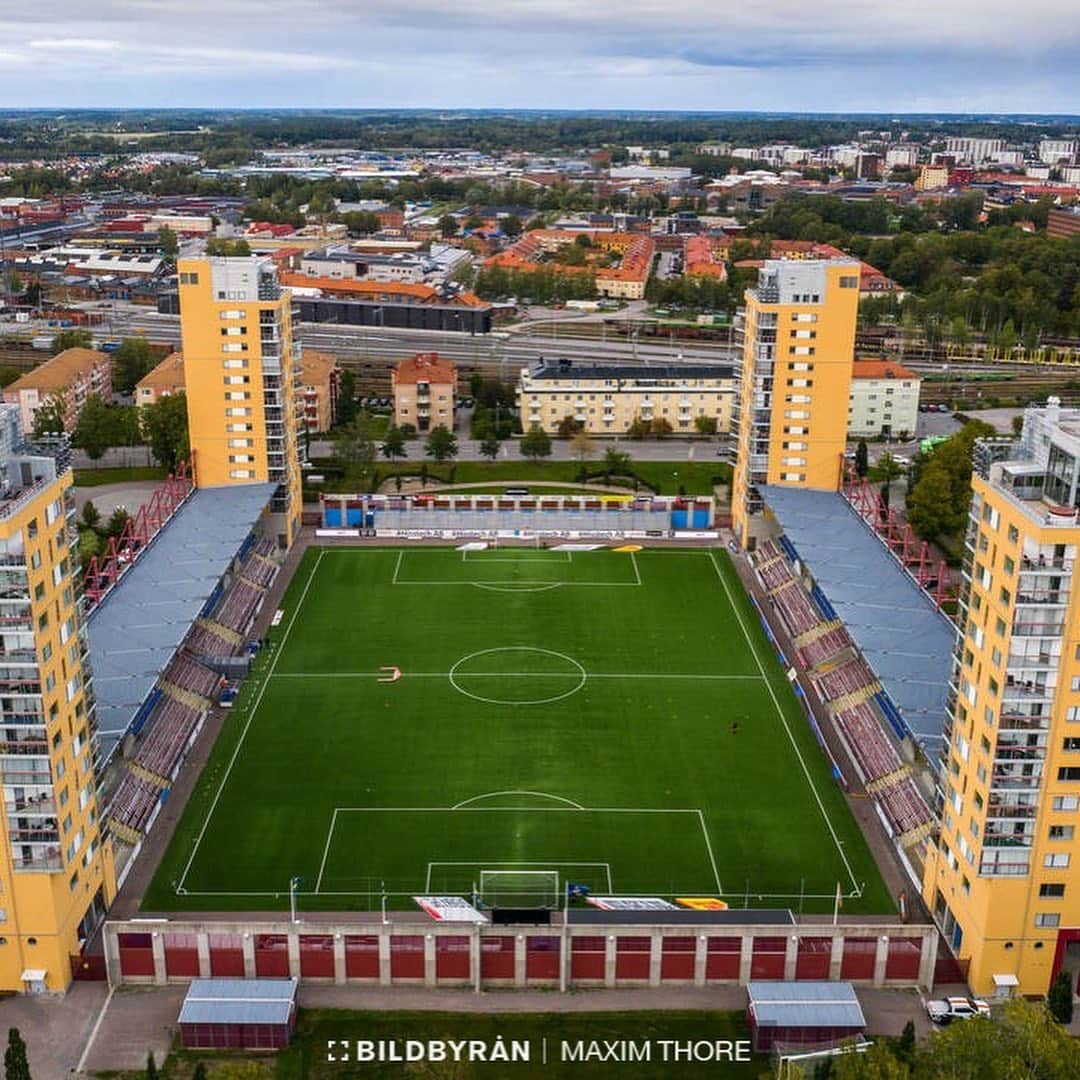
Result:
{"points": [[519, 889]]}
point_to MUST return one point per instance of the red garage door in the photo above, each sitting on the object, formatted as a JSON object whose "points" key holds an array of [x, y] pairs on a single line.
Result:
{"points": [[541, 957], [136, 954], [497, 957], [227, 956], [361, 956], [452, 957], [317, 956], [407, 956], [182, 955], [677, 958], [271, 956], [587, 957], [858, 959], [767, 960], [814, 957], [722, 958], [632, 957], [903, 959]]}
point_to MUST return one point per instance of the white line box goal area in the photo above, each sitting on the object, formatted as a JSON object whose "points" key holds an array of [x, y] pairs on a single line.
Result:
{"points": [[609, 850]]}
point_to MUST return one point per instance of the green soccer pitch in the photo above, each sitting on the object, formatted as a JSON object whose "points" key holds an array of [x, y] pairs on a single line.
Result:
{"points": [[616, 717]]}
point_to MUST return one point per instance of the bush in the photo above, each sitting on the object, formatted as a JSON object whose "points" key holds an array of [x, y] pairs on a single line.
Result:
{"points": [[1060, 998]]}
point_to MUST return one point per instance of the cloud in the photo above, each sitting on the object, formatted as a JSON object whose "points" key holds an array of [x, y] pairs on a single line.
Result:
{"points": [[784, 54]]}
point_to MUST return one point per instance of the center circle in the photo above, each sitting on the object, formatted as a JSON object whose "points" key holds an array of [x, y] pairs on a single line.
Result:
{"points": [[519, 673]]}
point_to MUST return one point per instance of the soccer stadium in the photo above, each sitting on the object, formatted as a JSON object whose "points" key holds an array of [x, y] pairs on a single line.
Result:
{"points": [[422, 716]]}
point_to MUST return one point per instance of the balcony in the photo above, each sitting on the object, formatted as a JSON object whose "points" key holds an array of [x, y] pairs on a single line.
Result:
{"points": [[993, 840], [1004, 869], [1023, 722], [47, 861], [1038, 629], [1011, 810], [1045, 564]]}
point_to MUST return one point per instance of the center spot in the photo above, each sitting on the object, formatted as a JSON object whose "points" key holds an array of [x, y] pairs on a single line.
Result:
{"points": [[517, 675]]}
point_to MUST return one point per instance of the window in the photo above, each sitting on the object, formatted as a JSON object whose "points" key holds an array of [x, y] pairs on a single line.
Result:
{"points": [[1013, 534], [190, 279], [1069, 773], [849, 282], [1060, 832], [1055, 888], [1047, 919], [1008, 565], [1071, 744], [1058, 860], [1065, 802]]}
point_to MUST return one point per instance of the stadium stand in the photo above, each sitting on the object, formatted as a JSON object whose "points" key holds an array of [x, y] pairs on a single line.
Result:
{"points": [[825, 648], [190, 675], [133, 804], [164, 746], [238, 607], [205, 641], [862, 713]]}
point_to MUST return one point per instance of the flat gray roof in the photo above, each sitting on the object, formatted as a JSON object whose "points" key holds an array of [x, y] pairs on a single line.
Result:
{"points": [[895, 624], [239, 1001], [805, 1004], [135, 630]]}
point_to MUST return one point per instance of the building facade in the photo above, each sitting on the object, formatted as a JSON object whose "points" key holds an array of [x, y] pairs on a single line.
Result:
{"points": [[67, 379], [162, 380], [242, 370], [425, 387], [798, 339], [56, 873], [884, 400], [320, 379], [1000, 879], [609, 398]]}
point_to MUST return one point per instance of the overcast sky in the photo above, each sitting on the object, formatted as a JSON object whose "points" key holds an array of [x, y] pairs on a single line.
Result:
{"points": [[791, 55]]}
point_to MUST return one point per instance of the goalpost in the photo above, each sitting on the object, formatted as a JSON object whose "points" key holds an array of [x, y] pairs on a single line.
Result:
{"points": [[520, 889]]}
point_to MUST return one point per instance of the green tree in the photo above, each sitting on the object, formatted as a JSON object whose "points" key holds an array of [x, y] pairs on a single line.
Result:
{"points": [[536, 443], [1024, 1041], [230, 248], [511, 225], [1017, 425], [660, 428], [93, 429], [930, 504], [705, 425], [72, 339], [448, 226], [117, 522], [489, 447], [887, 468], [16, 1066], [877, 1063], [167, 242], [91, 517], [49, 418], [130, 363], [1060, 998], [441, 444], [346, 400], [165, 426], [151, 1067], [199, 1072], [616, 463], [862, 458], [569, 426], [354, 445], [907, 1043], [638, 428], [582, 446], [394, 443]]}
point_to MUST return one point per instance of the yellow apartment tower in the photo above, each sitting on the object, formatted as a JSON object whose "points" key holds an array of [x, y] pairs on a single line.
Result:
{"points": [[242, 372], [56, 873], [1001, 880], [798, 336]]}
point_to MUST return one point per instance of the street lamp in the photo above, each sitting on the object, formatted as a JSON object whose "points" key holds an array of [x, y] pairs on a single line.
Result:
{"points": [[294, 884]]}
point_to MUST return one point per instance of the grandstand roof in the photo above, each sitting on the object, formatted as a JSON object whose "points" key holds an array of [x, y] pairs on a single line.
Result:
{"points": [[805, 1004], [903, 637], [239, 1001], [140, 623]]}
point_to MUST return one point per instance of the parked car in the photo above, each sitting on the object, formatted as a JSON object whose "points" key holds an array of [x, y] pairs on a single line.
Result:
{"points": [[945, 1010]]}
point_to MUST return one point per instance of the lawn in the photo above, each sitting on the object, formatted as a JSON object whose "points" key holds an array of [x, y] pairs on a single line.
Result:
{"points": [[133, 475], [320, 1032], [616, 718], [666, 477]]}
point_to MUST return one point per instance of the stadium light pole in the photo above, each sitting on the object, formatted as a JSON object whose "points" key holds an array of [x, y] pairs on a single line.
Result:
{"points": [[293, 883]]}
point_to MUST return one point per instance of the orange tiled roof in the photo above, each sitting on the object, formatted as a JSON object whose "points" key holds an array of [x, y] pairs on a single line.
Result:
{"points": [[167, 375], [880, 369], [425, 367], [58, 372]]}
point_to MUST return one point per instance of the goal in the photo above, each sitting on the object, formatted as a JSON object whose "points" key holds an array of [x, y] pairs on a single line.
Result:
{"points": [[519, 889]]}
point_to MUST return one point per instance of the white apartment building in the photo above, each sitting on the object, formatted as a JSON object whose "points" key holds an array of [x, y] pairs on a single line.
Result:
{"points": [[1052, 151], [975, 151], [884, 399]]}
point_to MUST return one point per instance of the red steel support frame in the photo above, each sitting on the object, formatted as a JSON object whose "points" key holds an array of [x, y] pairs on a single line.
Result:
{"points": [[104, 570]]}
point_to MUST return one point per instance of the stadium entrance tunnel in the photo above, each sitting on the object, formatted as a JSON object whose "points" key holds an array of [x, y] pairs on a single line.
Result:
{"points": [[517, 675]]}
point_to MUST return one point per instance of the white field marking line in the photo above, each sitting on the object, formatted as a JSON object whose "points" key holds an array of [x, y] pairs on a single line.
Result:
{"points": [[637, 572], [783, 720], [94, 1030], [517, 810], [518, 862], [555, 584], [536, 794], [483, 557], [515, 589], [514, 675], [708, 848], [251, 716], [326, 849], [397, 567]]}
